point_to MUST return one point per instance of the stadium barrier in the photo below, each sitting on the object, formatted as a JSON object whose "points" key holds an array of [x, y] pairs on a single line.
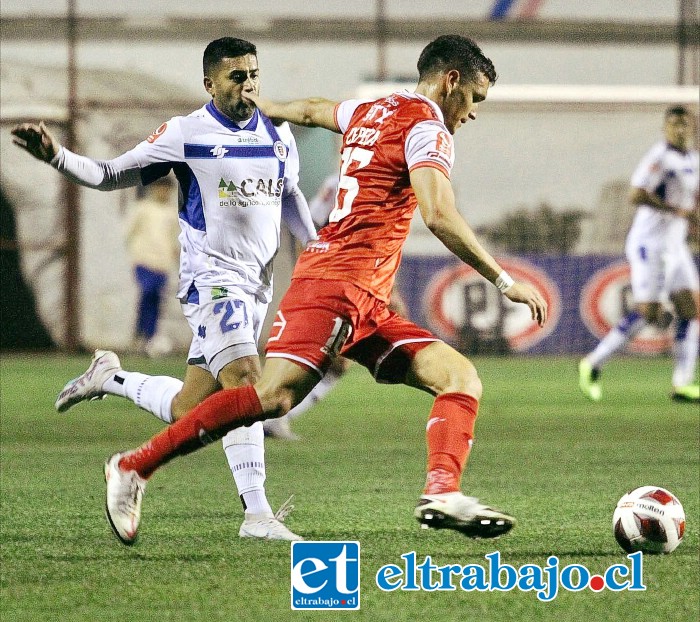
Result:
{"points": [[587, 295]]}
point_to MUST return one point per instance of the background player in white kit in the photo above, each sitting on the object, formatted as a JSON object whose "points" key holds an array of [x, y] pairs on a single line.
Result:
{"points": [[238, 175], [665, 191]]}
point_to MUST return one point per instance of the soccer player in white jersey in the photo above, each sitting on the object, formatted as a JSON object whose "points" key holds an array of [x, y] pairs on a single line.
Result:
{"points": [[238, 176], [665, 192]]}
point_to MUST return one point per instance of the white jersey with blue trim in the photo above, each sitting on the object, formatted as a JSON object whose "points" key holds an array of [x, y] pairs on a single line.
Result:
{"points": [[673, 176], [235, 185], [231, 180]]}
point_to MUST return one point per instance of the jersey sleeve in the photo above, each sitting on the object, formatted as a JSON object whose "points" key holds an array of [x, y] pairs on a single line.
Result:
{"points": [[650, 171], [344, 111], [140, 165], [430, 144], [158, 152], [291, 169]]}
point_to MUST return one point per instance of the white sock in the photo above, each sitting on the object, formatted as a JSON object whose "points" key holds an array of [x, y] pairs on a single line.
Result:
{"points": [[317, 394], [616, 339], [245, 452], [152, 393], [685, 352]]}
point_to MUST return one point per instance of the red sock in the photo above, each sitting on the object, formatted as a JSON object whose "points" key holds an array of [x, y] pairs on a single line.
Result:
{"points": [[449, 435], [205, 423]]}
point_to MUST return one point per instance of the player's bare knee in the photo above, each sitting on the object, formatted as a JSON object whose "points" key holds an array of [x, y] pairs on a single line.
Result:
{"points": [[440, 369], [239, 376], [463, 379]]}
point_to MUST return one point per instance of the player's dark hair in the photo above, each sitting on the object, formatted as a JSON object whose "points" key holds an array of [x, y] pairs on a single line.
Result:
{"points": [[226, 47], [677, 110], [449, 52]]}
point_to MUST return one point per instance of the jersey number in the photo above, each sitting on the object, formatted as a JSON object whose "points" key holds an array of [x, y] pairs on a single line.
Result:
{"points": [[235, 314], [361, 157]]}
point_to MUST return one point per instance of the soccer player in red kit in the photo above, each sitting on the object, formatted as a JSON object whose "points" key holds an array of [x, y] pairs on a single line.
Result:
{"points": [[397, 154]]}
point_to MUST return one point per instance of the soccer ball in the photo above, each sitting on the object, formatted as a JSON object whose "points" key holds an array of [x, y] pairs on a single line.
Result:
{"points": [[649, 519]]}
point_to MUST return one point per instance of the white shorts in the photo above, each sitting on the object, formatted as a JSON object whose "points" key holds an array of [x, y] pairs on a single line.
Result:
{"points": [[657, 272], [224, 329]]}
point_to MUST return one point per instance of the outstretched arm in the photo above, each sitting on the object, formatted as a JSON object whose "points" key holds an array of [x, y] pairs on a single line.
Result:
{"points": [[35, 139], [311, 112], [436, 202]]}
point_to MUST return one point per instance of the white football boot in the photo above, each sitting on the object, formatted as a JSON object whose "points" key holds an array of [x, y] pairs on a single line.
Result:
{"points": [[453, 510], [279, 428], [124, 494], [269, 526], [88, 386]]}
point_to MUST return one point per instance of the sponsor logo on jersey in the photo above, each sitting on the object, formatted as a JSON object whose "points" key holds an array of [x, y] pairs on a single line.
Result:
{"points": [[325, 575], [436, 155], [463, 308], [249, 192], [157, 133], [217, 293], [607, 298], [244, 140], [219, 151], [280, 150], [443, 144]]}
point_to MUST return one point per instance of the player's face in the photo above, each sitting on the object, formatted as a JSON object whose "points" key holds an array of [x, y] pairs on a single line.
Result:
{"points": [[228, 79], [461, 102], [678, 130]]}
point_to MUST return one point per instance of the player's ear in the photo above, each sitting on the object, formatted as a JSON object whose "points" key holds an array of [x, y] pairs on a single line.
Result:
{"points": [[451, 81], [209, 85]]}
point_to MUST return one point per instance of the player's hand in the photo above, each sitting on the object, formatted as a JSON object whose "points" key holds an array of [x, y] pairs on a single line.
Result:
{"points": [[37, 140], [521, 292], [266, 106], [262, 104]]}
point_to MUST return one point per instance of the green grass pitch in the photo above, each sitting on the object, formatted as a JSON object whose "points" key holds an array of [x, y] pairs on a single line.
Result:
{"points": [[542, 453]]}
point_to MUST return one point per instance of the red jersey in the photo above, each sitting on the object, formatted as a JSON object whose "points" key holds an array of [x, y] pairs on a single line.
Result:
{"points": [[383, 141]]}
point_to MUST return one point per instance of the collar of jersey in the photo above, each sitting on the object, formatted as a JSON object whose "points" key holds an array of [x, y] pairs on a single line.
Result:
{"points": [[427, 100], [230, 123]]}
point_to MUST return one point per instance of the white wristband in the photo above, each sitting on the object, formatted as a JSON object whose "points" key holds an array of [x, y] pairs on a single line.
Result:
{"points": [[504, 282]]}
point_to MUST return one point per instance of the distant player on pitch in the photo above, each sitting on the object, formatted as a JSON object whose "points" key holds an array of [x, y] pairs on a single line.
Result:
{"points": [[665, 193]]}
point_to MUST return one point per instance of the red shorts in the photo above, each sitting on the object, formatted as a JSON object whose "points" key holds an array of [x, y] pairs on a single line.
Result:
{"points": [[319, 319]]}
